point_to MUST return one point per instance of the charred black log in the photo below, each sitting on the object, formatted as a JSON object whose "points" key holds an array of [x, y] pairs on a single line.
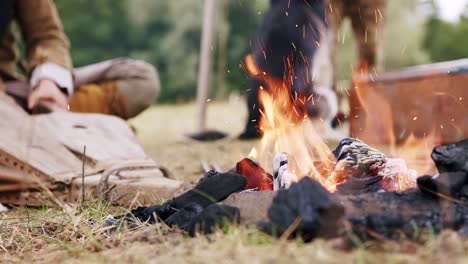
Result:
{"points": [[359, 185], [196, 220], [185, 216], [214, 216], [305, 209], [309, 211], [212, 188], [448, 183], [452, 164], [452, 158], [404, 215], [441, 201]]}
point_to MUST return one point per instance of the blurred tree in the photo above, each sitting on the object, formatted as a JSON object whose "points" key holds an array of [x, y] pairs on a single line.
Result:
{"points": [[167, 34], [403, 36], [445, 40], [172, 39], [244, 17], [98, 30]]}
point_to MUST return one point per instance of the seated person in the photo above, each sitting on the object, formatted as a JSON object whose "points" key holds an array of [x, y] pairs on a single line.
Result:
{"points": [[121, 87]]}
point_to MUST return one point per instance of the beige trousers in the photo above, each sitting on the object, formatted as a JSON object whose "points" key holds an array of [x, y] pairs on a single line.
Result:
{"points": [[122, 87]]}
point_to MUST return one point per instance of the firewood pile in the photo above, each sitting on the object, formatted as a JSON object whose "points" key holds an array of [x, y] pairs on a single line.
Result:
{"points": [[367, 200]]}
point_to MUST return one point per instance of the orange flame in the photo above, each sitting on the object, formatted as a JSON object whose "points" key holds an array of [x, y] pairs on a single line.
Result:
{"points": [[287, 128], [378, 128]]}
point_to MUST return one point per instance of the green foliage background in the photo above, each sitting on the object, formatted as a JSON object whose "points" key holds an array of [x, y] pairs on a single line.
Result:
{"points": [[167, 34]]}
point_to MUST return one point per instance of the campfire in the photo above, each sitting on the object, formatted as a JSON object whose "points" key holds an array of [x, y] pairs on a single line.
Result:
{"points": [[294, 149], [389, 190]]}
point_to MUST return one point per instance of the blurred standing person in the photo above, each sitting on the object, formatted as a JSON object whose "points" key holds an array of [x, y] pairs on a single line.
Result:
{"points": [[121, 87], [367, 19], [289, 34]]}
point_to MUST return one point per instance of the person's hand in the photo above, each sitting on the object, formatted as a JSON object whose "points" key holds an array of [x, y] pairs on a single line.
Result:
{"points": [[47, 90]]}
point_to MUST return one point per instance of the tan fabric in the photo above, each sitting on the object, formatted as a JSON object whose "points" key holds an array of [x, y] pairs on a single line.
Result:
{"points": [[43, 36]]}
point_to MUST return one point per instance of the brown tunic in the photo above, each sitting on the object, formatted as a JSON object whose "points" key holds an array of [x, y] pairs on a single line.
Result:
{"points": [[44, 39]]}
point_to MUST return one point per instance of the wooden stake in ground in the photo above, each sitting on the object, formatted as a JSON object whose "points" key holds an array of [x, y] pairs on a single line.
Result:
{"points": [[206, 62], [205, 73]]}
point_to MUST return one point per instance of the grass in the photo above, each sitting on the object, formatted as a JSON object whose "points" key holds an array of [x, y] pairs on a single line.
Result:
{"points": [[78, 234]]}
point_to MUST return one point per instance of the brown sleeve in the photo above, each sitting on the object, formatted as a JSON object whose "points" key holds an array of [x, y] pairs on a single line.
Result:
{"points": [[42, 31]]}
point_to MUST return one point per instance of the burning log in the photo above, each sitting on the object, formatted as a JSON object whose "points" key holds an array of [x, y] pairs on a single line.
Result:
{"points": [[257, 177], [307, 209], [360, 168]]}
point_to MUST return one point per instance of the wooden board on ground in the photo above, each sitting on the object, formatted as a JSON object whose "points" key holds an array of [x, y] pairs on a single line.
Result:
{"points": [[45, 151], [423, 100]]}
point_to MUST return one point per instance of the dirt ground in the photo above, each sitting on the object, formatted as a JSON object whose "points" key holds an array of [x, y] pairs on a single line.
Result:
{"points": [[73, 234]]}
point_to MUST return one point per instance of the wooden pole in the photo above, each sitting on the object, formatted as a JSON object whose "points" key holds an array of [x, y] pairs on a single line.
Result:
{"points": [[222, 47], [206, 61]]}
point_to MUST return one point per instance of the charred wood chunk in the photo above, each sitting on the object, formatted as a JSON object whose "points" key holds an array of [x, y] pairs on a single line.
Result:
{"points": [[150, 214], [357, 159], [464, 191], [393, 225], [185, 216], [448, 183], [359, 185], [305, 209], [409, 214], [451, 158], [387, 224], [257, 177], [393, 215], [212, 188], [214, 216]]}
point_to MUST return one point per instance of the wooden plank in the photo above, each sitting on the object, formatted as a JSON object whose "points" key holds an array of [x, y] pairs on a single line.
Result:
{"points": [[419, 106], [420, 71]]}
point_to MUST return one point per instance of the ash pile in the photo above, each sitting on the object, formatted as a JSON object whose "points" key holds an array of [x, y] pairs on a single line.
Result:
{"points": [[372, 197]]}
